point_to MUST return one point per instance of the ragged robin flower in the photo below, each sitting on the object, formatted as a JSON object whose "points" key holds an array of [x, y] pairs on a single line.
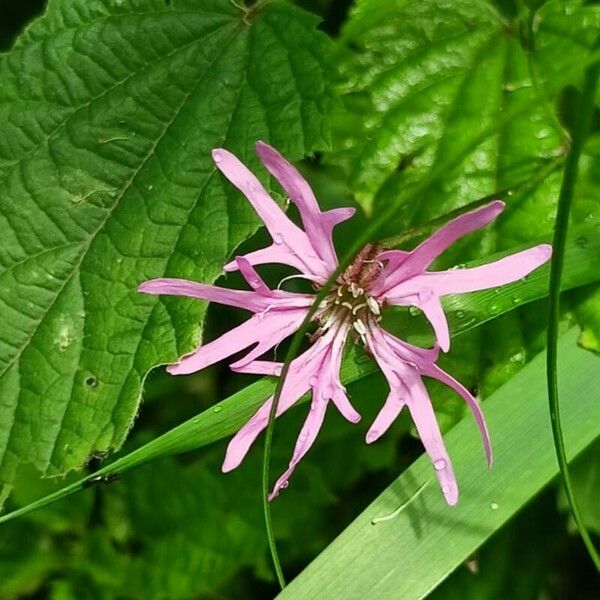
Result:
{"points": [[378, 277]]}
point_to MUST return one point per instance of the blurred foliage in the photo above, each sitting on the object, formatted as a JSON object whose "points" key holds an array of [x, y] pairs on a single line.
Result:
{"points": [[178, 528]]}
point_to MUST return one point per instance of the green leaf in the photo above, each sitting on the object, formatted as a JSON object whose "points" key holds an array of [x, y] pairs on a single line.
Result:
{"points": [[465, 313], [409, 555], [223, 530], [108, 113], [423, 77]]}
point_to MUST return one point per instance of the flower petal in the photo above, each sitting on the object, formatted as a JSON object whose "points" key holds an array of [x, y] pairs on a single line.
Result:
{"points": [[318, 225], [425, 290], [308, 434], [258, 367], [253, 279], [182, 287], [407, 388], [316, 369], [422, 414], [457, 281], [275, 253], [266, 330], [240, 443], [424, 254], [385, 417], [282, 230], [434, 371]]}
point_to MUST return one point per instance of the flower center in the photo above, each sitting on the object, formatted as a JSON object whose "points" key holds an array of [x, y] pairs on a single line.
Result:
{"points": [[349, 300]]}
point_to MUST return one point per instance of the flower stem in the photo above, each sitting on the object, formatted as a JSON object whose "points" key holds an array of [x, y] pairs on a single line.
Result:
{"points": [[584, 113]]}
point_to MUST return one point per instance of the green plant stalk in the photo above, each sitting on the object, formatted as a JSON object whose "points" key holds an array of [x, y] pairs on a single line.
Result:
{"points": [[585, 111], [436, 173]]}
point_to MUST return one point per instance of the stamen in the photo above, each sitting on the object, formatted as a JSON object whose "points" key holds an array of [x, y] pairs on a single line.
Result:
{"points": [[360, 327], [373, 305], [376, 261], [359, 306], [295, 276]]}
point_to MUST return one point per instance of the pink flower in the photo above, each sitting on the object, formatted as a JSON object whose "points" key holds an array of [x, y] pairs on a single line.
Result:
{"points": [[376, 278]]}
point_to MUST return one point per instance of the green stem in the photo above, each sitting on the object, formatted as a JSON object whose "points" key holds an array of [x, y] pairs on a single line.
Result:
{"points": [[585, 111]]}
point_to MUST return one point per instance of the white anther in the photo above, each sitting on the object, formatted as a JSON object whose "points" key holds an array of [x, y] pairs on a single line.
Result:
{"points": [[347, 305], [358, 307], [360, 327], [373, 305]]}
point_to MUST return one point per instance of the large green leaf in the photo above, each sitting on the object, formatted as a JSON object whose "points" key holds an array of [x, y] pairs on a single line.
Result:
{"points": [[420, 78], [407, 556], [108, 113]]}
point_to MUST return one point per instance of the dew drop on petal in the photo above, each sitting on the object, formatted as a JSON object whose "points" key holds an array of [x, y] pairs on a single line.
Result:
{"points": [[284, 484], [440, 464], [278, 238], [217, 157]]}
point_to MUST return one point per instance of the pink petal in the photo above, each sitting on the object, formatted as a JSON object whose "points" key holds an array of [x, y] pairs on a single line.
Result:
{"points": [[283, 231], [424, 254], [240, 443], [500, 272], [422, 414], [305, 440], [433, 311], [387, 415], [434, 371], [181, 287], [317, 368], [253, 279], [276, 253], [258, 367], [266, 330], [296, 384], [317, 225], [329, 377], [407, 388], [409, 353]]}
